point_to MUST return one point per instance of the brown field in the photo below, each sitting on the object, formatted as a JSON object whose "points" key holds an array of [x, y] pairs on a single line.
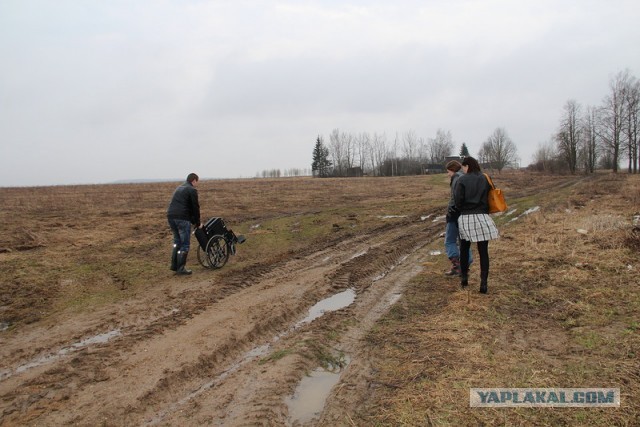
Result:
{"points": [[95, 329]]}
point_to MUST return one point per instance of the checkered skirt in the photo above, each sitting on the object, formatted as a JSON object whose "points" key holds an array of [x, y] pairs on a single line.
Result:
{"points": [[477, 227]]}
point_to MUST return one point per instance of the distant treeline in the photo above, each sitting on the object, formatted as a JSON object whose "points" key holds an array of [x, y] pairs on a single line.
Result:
{"points": [[278, 173], [587, 138], [375, 154], [593, 137]]}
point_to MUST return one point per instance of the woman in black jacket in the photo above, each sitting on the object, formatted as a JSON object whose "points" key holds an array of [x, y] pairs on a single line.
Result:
{"points": [[474, 223]]}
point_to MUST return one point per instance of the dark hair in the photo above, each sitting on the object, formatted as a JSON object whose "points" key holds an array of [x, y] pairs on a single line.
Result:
{"points": [[453, 166], [472, 164], [192, 177]]}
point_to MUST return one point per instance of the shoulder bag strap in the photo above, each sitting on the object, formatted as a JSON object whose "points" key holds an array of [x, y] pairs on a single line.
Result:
{"points": [[490, 181]]}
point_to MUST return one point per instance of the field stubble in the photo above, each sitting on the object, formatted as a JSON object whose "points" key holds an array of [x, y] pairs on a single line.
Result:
{"points": [[81, 260], [562, 312]]}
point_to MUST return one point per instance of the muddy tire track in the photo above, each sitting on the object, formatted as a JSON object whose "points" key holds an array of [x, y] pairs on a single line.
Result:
{"points": [[257, 396], [145, 370], [536, 188]]}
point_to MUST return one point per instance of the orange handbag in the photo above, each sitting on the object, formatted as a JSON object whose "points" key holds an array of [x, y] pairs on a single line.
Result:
{"points": [[496, 198]]}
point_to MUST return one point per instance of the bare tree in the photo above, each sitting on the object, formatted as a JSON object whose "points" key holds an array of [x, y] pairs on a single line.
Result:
{"points": [[440, 147], [568, 135], [378, 152], [410, 145], [547, 158], [410, 162], [348, 142], [362, 142], [482, 155], [337, 152], [499, 150], [423, 150], [589, 140], [612, 116], [393, 155], [632, 101], [343, 150], [545, 154]]}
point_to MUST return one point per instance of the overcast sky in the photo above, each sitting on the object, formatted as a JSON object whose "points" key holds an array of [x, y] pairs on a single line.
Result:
{"points": [[97, 91]]}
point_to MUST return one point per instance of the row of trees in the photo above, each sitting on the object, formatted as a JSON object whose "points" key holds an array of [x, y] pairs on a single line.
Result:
{"points": [[597, 136], [279, 173], [347, 154]]}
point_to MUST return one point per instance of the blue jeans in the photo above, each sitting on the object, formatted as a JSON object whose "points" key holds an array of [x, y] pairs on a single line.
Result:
{"points": [[451, 236], [181, 233]]}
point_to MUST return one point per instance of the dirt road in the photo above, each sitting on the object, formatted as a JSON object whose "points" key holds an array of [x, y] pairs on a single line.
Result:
{"points": [[218, 349]]}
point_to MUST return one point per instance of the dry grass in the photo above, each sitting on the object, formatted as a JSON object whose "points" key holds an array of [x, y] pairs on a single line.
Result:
{"points": [[563, 308], [563, 311], [71, 248]]}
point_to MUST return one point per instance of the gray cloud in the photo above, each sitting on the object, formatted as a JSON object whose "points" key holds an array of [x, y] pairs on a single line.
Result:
{"points": [[96, 91]]}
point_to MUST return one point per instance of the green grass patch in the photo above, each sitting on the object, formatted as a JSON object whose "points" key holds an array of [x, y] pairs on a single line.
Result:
{"points": [[90, 300], [276, 355]]}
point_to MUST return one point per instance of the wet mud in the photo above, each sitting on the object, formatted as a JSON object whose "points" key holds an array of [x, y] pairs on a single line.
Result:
{"points": [[236, 349]]}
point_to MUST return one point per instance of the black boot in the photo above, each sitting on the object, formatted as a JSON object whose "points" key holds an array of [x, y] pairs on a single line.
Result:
{"points": [[455, 267], [182, 260], [174, 258], [484, 275], [464, 263], [464, 280]]}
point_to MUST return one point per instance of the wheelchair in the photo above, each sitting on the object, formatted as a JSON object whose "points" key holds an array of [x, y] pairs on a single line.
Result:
{"points": [[215, 243]]}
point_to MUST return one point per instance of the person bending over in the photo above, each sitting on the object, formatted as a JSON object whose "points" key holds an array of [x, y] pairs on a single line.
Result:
{"points": [[184, 210]]}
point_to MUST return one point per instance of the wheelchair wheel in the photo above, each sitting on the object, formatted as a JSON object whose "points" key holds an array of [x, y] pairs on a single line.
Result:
{"points": [[217, 251], [203, 259]]}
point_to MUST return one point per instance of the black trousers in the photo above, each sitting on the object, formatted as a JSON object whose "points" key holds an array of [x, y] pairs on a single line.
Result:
{"points": [[483, 251]]}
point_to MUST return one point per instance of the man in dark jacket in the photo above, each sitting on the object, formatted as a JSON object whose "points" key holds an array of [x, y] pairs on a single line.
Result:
{"points": [[183, 211]]}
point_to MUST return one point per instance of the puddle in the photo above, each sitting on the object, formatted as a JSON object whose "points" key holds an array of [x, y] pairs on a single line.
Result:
{"points": [[49, 358], [394, 299], [527, 212], [424, 218], [435, 252], [333, 303], [439, 218], [358, 255], [258, 351], [98, 339], [379, 277], [311, 394], [309, 398]]}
